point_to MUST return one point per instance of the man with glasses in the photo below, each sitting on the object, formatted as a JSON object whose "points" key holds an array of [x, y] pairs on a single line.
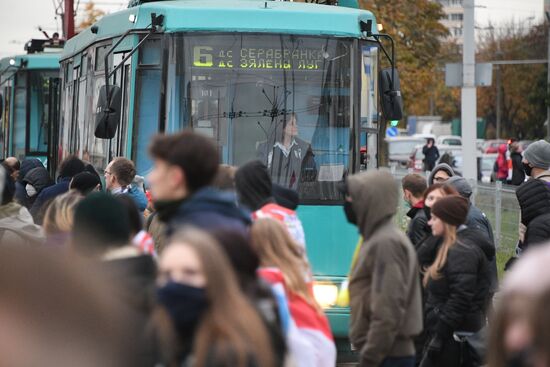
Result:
{"points": [[119, 174]]}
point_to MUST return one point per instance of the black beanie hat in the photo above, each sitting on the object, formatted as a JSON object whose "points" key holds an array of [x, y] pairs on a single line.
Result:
{"points": [[452, 209], [100, 222], [253, 185], [85, 182]]}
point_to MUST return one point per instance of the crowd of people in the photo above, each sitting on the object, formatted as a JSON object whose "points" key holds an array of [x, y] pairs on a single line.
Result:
{"points": [[209, 267]]}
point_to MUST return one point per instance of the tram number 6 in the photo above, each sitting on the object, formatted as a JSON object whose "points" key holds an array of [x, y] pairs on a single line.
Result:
{"points": [[202, 58]]}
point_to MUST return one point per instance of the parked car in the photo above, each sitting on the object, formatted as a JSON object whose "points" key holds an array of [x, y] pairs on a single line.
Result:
{"points": [[448, 140], [400, 147], [491, 146]]}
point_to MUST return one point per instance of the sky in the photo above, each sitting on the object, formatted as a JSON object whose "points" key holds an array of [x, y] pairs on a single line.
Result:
{"points": [[19, 19]]}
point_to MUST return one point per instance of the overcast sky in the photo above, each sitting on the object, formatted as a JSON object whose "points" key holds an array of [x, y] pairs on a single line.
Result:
{"points": [[19, 19]]}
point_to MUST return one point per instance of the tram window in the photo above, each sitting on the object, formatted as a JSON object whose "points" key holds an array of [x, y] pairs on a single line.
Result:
{"points": [[100, 53], [18, 146], [282, 99], [38, 124], [369, 85], [149, 53]]}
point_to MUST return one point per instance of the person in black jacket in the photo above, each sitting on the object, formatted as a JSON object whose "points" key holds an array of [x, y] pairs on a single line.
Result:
{"points": [[20, 193], [414, 186], [36, 180], [431, 154], [457, 284], [534, 201], [518, 173]]}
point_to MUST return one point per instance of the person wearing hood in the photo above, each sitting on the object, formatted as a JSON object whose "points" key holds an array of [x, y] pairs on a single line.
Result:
{"points": [[70, 167], [501, 164], [255, 191], [534, 201], [36, 180], [518, 174], [440, 174], [457, 284], [384, 288], [185, 165], [21, 195], [16, 223], [119, 174], [476, 219]]}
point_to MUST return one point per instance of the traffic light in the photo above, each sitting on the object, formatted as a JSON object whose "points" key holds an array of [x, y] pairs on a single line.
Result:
{"points": [[394, 123]]}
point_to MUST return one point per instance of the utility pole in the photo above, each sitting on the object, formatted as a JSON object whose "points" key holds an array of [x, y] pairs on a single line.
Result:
{"points": [[469, 96], [498, 69], [68, 19]]}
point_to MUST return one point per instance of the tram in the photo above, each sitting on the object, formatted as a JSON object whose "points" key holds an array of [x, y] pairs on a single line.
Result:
{"points": [[29, 101], [249, 74]]}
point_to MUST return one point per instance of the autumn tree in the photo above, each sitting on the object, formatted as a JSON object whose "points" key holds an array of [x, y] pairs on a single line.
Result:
{"points": [[91, 15], [415, 27], [524, 96]]}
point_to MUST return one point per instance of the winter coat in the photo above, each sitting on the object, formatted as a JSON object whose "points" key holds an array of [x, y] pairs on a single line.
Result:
{"points": [[442, 166], [40, 179], [457, 300], [518, 174], [17, 226], [48, 194], [20, 193], [209, 209], [476, 219], [501, 164], [139, 197], [134, 275], [418, 227], [384, 288], [431, 155], [534, 201], [157, 229]]}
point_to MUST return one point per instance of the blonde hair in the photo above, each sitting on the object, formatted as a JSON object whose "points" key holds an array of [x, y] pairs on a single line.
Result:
{"points": [[59, 216], [449, 239], [276, 248], [237, 336]]}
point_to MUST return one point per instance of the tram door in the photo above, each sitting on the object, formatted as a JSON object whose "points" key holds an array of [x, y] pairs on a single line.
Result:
{"points": [[54, 91]]}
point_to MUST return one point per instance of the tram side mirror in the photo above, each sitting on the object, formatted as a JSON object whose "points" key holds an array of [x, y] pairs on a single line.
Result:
{"points": [[392, 102], [108, 112]]}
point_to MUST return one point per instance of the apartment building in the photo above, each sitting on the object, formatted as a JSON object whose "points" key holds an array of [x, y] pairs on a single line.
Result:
{"points": [[454, 16]]}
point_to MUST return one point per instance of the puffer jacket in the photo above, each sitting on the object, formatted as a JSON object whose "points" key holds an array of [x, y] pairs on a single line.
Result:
{"points": [[457, 300], [17, 226], [534, 201], [385, 299]]}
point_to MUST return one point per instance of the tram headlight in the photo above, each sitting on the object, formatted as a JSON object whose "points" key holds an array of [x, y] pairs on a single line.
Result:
{"points": [[12, 62], [380, 27], [325, 293]]}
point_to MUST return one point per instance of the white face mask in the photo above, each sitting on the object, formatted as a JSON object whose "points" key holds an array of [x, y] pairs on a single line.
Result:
{"points": [[31, 191]]}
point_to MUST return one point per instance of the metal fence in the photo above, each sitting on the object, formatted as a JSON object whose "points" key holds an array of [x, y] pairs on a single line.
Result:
{"points": [[499, 204]]}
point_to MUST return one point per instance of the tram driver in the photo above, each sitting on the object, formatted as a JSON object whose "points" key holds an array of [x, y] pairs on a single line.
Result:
{"points": [[290, 160]]}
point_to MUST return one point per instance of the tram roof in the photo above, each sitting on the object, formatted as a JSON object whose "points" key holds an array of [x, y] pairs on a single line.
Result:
{"points": [[258, 16], [34, 61]]}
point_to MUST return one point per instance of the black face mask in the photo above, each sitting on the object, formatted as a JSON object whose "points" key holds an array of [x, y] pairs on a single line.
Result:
{"points": [[185, 305], [527, 168], [427, 211], [350, 213]]}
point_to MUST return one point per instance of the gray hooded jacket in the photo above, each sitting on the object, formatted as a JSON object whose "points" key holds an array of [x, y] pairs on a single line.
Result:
{"points": [[385, 300], [441, 166]]}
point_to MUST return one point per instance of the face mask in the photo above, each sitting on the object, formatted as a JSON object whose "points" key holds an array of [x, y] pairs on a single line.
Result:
{"points": [[428, 212], [350, 213], [527, 168], [185, 305], [31, 191]]}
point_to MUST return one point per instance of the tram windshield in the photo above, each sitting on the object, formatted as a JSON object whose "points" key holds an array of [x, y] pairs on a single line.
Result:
{"points": [[283, 99]]}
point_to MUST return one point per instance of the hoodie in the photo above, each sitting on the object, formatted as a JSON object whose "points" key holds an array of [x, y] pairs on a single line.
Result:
{"points": [[209, 209], [17, 226], [442, 166], [385, 300], [20, 193]]}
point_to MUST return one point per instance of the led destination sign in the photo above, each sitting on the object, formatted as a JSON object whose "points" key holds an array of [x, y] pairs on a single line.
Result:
{"points": [[258, 58]]}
